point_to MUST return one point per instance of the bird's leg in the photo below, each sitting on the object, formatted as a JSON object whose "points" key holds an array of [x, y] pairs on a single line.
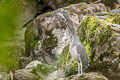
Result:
{"points": [[66, 66], [66, 62], [80, 66]]}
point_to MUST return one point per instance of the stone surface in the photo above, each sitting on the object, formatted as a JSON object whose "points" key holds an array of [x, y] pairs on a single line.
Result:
{"points": [[100, 45], [88, 76], [25, 74], [4, 76], [58, 74]]}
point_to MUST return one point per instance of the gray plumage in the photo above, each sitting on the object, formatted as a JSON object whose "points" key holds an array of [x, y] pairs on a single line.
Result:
{"points": [[77, 50]]}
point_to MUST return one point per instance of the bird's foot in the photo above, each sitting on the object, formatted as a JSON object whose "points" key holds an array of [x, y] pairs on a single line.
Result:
{"points": [[79, 74]]}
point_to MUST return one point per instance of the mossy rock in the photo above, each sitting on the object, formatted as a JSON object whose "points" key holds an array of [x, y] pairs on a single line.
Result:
{"points": [[31, 36], [88, 76], [43, 69], [98, 38], [50, 42], [112, 18]]}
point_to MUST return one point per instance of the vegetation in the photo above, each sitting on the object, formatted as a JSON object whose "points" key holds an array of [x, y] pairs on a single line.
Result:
{"points": [[101, 42], [8, 13], [98, 38]]}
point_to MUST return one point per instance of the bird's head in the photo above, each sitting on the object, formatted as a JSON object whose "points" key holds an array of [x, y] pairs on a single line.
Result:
{"points": [[61, 13]]}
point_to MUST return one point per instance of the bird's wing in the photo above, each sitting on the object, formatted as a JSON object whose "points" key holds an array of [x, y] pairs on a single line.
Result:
{"points": [[83, 55]]}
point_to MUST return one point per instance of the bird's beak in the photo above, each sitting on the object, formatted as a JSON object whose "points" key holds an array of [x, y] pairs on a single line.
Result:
{"points": [[57, 13]]}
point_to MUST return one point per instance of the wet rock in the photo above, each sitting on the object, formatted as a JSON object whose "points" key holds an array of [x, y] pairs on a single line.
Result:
{"points": [[4, 76], [88, 76], [25, 74]]}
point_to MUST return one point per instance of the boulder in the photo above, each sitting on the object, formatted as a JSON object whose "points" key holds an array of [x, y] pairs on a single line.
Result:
{"points": [[46, 35], [88, 76], [100, 37], [25, 74]]}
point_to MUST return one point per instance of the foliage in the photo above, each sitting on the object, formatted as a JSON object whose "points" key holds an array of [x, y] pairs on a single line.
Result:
{"points": [[8, 13]]}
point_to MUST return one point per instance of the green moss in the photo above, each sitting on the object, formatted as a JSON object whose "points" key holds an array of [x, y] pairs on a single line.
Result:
{"points": [[31, 38], [48, 14], [97, 38], [34, 42], [113, 18], [44, 69], [72, 69]]}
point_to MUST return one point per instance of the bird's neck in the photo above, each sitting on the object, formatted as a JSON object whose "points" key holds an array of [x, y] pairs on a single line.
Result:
{"points": [[70, 27]]}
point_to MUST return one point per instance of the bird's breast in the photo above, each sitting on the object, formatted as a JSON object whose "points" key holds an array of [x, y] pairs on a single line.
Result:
{"points": [[74, 54]]}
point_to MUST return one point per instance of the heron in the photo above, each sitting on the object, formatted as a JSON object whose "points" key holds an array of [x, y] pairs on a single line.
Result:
{"points": [[76, 48]]}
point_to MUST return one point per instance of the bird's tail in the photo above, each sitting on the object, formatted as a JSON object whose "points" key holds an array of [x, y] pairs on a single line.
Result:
{"points": [[84, 65], [87, 66]]}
